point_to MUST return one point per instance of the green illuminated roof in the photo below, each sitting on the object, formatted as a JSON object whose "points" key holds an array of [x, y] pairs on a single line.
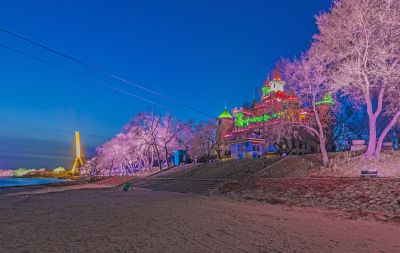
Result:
{"points": [[225, 114], [328, 100], [266, 90]]}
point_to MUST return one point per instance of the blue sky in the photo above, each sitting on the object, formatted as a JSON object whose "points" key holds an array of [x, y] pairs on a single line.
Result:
{"points": [[201, 53]]}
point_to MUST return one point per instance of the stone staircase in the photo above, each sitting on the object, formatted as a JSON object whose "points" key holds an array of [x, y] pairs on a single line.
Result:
{"points": [[202, 179], [194, 186]]}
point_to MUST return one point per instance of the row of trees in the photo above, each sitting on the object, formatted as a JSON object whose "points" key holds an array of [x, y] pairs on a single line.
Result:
{"points": [[148, 140]]}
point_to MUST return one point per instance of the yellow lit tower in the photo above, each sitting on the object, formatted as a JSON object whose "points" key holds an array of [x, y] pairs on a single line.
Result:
{"points": [[78, 161]]}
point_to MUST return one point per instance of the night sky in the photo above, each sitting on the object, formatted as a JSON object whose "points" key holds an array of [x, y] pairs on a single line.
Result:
{"points": [[201, 53]]}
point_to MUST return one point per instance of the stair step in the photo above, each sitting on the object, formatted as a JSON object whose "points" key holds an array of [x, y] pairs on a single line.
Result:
{"points": [[201, 187]]}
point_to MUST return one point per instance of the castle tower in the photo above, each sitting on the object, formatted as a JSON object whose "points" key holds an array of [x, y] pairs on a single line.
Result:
{"points": [[78, 161], [224, 127], [277, 84], [225, 121]]}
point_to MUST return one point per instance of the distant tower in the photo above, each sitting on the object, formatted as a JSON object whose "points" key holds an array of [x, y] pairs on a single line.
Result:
{"points": [[78, 162]]}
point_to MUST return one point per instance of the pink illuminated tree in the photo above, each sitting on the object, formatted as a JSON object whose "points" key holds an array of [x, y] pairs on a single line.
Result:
{"points": [[360, 39], [170, 134], [152, 126], [204, 140], [146, 138], [307, 77]]}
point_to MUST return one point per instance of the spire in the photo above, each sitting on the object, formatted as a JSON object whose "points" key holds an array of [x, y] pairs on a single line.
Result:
{"points": [[267, 81], [277, 75]]}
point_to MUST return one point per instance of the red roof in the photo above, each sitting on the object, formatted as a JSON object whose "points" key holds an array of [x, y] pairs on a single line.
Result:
{"points": [[284, 95], [277, 75]]}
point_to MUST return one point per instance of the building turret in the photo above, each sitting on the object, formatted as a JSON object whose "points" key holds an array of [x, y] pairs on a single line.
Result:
{"points": [[224, 128], [225, 114], [277, 84], [224, 122]]}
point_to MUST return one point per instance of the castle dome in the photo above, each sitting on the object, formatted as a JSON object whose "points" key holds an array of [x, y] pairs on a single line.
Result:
{"points": [[225, 115]]}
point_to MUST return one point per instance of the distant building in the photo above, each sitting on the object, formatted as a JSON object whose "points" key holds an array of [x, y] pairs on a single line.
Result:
{"points": [[180, 157]]}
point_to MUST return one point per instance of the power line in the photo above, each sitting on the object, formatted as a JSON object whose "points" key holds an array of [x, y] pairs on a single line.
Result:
{"points": [[86, 78], [100, 70]]}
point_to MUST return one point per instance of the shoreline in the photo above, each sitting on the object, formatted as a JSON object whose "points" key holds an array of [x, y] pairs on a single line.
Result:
{"points": [[33, 187]]}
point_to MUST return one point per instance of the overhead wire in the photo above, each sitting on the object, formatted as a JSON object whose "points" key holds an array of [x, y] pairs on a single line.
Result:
{"points": [[85, 78], [100, 70]]}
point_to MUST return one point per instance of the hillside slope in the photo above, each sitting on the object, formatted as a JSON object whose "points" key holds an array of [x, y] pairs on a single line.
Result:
{"points": [[292, 166]]}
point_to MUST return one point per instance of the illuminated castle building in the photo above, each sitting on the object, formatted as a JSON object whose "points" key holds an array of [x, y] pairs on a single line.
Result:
{"points": [[241, 133]]}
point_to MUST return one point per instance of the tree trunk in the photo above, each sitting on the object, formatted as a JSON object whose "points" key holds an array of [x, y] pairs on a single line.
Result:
{"points": [[151, 160], [322, 144], [166, 155], [322, 139], [372, 117], [324, 153], [159, 158], [111, 167], [384, 133], [372, 137], [219, 152]]}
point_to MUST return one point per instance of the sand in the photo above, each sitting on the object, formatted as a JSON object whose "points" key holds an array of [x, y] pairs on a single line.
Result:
{"points": [[110, 220]]}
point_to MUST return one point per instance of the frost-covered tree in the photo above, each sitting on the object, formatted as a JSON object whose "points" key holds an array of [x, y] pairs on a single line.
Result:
{"points": [[146, 138], [204, 141], [284, 134], [361, 41], [170, 134], [307, 77], [151, 125]]}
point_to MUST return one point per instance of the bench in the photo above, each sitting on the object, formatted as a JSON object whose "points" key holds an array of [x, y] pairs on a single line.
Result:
{"points": [[369, 173]]}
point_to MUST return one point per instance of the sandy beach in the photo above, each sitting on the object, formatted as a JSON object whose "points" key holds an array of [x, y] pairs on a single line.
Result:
{"points": [[110, 220]]}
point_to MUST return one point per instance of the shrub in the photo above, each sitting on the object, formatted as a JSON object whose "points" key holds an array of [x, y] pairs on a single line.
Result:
{"points": [[20, 172], [58, 170]]}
